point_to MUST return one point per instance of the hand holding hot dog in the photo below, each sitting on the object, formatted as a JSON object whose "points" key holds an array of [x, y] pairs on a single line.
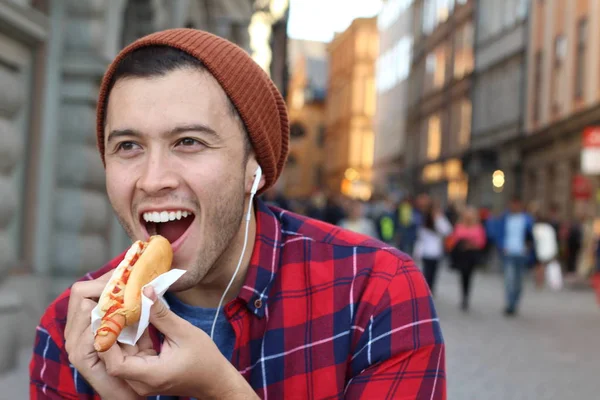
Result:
{"points": [[79, 342], [190, 364]]}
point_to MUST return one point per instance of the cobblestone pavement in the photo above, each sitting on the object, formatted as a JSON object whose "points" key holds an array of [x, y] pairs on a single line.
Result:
{"points": [[547, 352], [551, 350]]}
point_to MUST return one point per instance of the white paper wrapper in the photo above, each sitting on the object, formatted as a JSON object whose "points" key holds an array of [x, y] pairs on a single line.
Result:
{"points": [[131, 334]]}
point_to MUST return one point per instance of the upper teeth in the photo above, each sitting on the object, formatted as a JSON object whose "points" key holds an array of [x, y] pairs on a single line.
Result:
{"points": [[165, 216]]}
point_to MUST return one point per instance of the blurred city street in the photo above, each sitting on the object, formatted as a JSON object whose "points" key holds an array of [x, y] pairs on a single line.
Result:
{"points": [[549, 351]]}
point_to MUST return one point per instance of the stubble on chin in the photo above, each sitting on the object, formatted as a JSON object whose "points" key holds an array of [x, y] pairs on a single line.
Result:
{"points": [[219, 230]]}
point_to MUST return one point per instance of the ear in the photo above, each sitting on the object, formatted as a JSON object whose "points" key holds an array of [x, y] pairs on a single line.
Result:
{"points": [[251, 168]]}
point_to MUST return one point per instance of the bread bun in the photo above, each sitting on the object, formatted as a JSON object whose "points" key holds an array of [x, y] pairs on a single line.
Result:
{"points": [[121, 300]]}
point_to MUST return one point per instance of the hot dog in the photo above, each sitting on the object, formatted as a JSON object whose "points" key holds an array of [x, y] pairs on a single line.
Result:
{"points": [[121, 301]]}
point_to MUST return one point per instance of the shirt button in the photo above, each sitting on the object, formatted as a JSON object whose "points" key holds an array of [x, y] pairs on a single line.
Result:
{"points": [[258, 303]]}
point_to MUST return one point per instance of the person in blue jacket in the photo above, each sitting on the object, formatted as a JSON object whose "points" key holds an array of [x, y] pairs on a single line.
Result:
{"points": [[513, 237]]}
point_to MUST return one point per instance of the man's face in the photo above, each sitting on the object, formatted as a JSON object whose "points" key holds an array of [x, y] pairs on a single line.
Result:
{"points": [[173, 148]]}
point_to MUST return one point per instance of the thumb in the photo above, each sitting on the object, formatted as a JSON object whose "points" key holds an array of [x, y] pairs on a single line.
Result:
{"points": [[163, 319]]}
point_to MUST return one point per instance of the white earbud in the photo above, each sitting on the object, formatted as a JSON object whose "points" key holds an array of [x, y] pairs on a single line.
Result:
{"points": [[257, 176]]}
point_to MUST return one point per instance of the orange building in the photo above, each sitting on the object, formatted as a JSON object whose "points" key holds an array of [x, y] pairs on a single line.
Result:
{"points": [[350, 108], [563, 99], [306, 104]]}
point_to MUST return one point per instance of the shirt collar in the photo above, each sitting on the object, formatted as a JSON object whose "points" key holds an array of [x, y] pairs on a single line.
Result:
{"points": [[264, 262]]}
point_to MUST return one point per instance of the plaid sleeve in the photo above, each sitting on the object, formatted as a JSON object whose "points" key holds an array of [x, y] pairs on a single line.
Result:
{"points": [[51, 375], [398, 350]]}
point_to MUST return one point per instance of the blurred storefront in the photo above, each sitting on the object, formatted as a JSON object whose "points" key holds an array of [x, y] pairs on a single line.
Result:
{"points": [[55, 221], [563, 101], [304, 171], [350, 109], [439, 116]]}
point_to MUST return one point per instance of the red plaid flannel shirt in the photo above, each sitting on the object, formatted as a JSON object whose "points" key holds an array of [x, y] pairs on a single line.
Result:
{"points": [[324, 313]]}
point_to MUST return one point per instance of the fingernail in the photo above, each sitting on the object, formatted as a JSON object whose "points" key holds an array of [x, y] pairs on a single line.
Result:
{"points": [[150, 293]]}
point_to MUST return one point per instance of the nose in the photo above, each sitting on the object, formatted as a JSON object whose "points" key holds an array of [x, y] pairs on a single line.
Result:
{"points": [[159, 175]]}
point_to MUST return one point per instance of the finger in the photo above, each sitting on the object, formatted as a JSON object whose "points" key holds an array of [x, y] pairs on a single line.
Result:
{"points": [[84, 290], [165, 320], [89, 289], [79, 322], [141, 368]]}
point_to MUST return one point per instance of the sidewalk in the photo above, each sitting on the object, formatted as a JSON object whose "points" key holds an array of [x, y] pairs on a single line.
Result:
{"points": [[550, 351]]}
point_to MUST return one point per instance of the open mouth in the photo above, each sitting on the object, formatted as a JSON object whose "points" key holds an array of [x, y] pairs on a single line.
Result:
{"points": [[171, 224]]}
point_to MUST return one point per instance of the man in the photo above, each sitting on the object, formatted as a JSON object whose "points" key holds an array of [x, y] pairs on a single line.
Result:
{"points": [[514, 239], [184, 121]]}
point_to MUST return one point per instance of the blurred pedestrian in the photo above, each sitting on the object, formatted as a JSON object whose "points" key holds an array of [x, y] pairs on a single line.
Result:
{"points": [[334, 211], [357, 221], [574, 244], [546, 247], [275, 197], [514, 238], [430, 242], [469, 241], [408, 220], [387, 226]]}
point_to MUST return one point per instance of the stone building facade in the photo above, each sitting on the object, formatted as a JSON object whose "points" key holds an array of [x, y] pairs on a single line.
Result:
{"points": [[393, 67], [55, 220], [439, 111], [498, 99]]}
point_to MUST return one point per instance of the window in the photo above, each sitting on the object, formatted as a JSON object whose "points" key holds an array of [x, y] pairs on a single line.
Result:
{"points": [[390, 13], [298, 99], [460, 125], [580, 59], [463, 53], [436, 12], [522, 9], [434, 137], [321, 136], [370, 97], [297, 130], [510, 12], [439, 74], [560, 52], [428, 16], [537, 85], [443, 10], [393, 66], [435, 68]]}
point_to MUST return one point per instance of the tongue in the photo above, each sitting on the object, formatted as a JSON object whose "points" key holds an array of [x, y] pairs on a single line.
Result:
{"points": [[174, 229]]}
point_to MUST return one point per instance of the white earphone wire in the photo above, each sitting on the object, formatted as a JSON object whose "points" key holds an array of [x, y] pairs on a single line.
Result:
{"points": [[239, 264]]}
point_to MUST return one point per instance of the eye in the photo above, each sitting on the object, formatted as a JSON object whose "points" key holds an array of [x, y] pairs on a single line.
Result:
{"points": [[190, 144], [187, 142], [127, 146]]}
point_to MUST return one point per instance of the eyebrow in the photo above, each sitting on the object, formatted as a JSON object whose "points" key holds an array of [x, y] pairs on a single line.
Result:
{"points": [[117, 133]]}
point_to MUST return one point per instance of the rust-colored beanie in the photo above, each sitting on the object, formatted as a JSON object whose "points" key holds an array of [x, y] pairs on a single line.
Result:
{"points": [[253, 93]]}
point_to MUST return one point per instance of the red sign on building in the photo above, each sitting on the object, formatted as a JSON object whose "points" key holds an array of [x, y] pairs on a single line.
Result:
{"points": [[590, 152], [581, 187]]}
